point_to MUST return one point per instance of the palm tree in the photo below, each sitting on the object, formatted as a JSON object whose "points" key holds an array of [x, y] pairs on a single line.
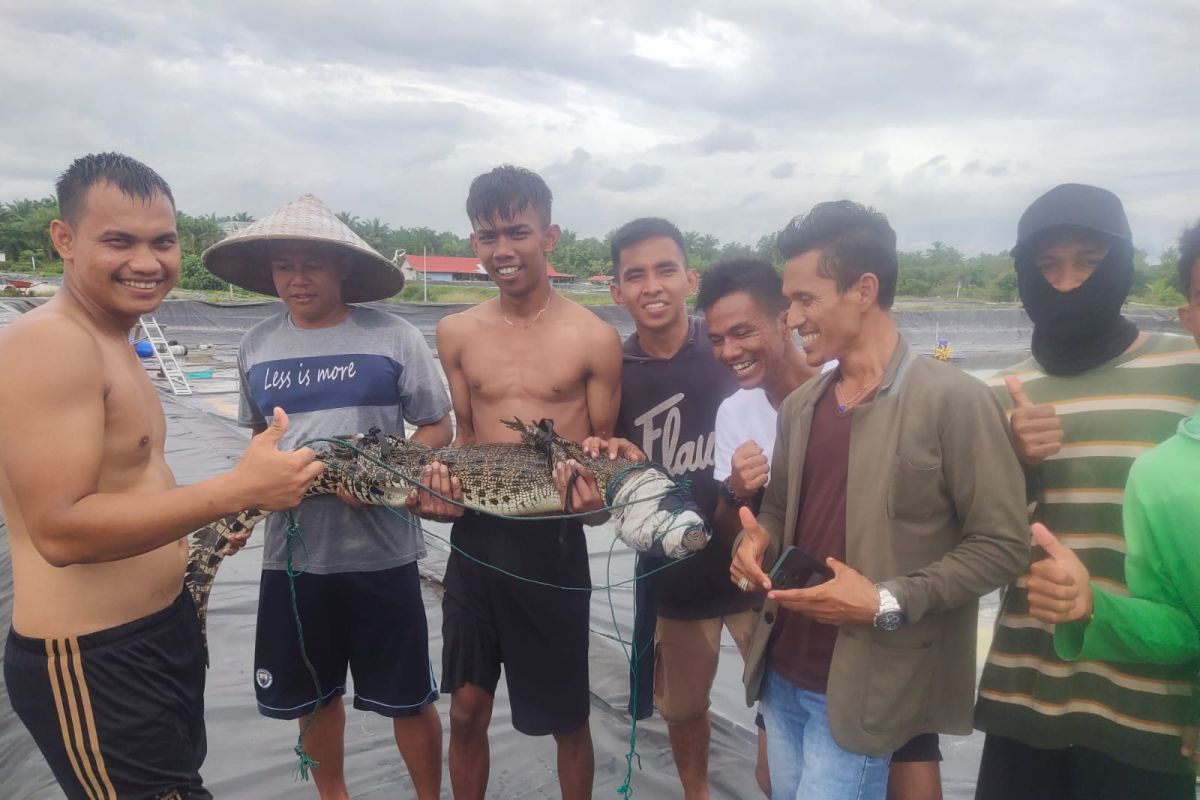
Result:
{"points": [[374, 232], [197, 233]]}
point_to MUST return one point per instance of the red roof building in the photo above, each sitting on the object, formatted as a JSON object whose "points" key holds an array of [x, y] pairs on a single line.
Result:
{"points": [[455, 268]]}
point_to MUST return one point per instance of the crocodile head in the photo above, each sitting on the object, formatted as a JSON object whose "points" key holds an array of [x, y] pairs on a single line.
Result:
{"points": [[539, 435]]}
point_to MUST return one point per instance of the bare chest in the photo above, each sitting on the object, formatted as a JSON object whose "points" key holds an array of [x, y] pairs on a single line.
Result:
{"points": [[527, 365], [134, 425]]}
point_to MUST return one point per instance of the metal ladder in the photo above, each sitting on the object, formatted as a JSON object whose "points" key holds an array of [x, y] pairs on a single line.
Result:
{"points": [[166, 359]]}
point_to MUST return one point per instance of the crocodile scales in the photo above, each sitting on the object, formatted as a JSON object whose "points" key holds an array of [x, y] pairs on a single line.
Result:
{"points": [[652, 513]]}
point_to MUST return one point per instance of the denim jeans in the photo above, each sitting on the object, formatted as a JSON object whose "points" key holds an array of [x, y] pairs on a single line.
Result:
{"points": [[805, 762]]}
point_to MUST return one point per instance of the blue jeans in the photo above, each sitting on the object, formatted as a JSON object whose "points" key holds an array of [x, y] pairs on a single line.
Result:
{"points": [[804, 760]]}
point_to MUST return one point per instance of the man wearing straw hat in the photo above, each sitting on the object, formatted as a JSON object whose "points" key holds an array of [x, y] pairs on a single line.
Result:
{"points": [[340, 368]]}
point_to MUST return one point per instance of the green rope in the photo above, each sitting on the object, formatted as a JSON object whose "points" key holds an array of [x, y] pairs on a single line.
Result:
{"points": [[304, 762], [681, 488], [632, 656], [534, 581]]}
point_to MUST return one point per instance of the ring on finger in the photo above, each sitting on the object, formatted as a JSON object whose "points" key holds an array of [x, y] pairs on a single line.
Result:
{"points": [[744, 584]]}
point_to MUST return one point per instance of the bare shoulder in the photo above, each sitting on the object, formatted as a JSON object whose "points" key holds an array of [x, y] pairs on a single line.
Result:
{"points": [[53, 362], [591, 326], [44, 334], [468, 318], [453, 329]]}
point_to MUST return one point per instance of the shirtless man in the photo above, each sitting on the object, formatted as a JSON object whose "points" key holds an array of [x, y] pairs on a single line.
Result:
{"points": [[105, 660], [530, 354]]}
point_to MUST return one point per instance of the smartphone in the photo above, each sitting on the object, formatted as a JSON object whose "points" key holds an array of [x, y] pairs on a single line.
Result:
{"points": [[796, 569]]}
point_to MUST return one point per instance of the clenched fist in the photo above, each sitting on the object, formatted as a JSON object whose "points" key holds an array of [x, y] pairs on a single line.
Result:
{"points": [[749, 470]]}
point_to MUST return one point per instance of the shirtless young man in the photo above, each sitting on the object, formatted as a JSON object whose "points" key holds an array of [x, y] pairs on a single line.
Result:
{"points": [[530, 354], [105, 661]]}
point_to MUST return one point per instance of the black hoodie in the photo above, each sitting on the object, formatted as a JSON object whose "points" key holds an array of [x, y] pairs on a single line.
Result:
{"points": [[669, 409], [1081, 329]]}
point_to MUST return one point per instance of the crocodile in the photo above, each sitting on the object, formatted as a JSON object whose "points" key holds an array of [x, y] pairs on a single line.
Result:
{"points": [[651, 512]]}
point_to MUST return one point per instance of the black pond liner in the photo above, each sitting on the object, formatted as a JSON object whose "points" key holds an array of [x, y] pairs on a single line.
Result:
{"points": [[251, 757]]}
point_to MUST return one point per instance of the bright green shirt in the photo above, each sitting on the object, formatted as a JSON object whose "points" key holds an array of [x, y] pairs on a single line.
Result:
{"points": [[1159, 622]]}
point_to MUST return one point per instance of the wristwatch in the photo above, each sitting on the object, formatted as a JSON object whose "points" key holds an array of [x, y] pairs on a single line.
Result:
{"points": [[889, 617], [731, 499]]}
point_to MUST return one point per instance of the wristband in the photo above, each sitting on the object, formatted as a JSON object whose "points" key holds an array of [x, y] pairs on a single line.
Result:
{"points": [[731, 499]]}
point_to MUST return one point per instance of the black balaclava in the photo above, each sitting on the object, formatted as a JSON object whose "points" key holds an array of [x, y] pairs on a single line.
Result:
{"points": [[1081, 329]]}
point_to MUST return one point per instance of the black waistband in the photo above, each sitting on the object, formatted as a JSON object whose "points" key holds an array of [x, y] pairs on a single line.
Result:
{"points": [[120, 633], [476, 521]]}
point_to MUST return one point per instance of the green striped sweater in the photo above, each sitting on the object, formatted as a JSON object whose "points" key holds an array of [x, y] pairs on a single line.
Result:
{"points": [[1110, 415]]}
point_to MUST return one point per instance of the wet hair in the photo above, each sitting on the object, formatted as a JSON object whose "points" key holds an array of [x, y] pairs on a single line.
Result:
{"points": [[640, 230], [753, 276], [854, 240], [1189, 254], [132, 177], [507, 191]]}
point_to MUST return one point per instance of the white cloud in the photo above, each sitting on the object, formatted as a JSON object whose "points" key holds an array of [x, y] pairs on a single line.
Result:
{"points": [[948, 115], [707, 43]]}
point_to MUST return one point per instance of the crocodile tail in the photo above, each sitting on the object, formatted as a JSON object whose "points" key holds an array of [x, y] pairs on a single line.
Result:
{"points": [[206, 551]]}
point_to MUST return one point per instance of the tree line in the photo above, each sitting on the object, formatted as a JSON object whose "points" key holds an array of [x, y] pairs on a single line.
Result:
{"points": [[939, 271]]}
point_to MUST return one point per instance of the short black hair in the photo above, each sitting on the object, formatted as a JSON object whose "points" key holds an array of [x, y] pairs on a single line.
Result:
{"points": [[1189, 254], [753, 276], [507, 191], [129, 175], [639, 230], [854, 239]]}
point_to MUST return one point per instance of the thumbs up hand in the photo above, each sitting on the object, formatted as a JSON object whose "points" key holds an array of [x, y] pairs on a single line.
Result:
{"points": [[1059, 585], [746, 567], [1036, 429], [1189, 749], [272, 479]]}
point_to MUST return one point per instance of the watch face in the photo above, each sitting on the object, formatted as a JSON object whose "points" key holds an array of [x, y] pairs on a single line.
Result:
{"points": [[889, 620]]}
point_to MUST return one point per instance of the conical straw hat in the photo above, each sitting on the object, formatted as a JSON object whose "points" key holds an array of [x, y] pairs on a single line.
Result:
{"points": [[243, 259]]}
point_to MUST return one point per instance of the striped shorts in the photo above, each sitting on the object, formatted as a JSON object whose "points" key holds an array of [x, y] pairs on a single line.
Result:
{"points": [[118, 713]]}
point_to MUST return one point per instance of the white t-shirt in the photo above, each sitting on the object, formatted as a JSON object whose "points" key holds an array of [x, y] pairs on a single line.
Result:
{"points": [[746, 415]]}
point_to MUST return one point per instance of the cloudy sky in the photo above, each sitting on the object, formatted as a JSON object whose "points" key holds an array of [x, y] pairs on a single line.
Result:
{"points": [[948, 115]]}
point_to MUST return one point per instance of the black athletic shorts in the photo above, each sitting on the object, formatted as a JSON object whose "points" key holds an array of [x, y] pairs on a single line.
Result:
{"points": [[922, 747], [1013, 769], [539, 633], [118, 713], [372, 622]]}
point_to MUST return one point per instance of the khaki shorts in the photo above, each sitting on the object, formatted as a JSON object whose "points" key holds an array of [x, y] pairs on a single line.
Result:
{"points": [[685, 661]]}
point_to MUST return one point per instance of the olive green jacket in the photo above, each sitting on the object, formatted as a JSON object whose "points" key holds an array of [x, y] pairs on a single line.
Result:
{"points": [[935, 511]]}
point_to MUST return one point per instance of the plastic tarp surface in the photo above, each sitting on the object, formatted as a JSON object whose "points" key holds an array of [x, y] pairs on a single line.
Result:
{"points": [[251, 757]]}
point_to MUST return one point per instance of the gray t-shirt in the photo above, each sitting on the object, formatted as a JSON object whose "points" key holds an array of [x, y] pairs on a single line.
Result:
{"points": [[371, 370]]}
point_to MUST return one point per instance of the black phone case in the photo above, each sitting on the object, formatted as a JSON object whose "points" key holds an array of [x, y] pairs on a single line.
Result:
{"points": [[796, 569]]}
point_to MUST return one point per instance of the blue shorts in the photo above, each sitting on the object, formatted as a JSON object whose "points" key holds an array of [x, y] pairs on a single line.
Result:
{"points": [[372, 622]]}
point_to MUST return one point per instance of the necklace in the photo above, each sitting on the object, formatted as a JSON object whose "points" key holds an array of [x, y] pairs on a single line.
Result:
{"points": [[845, 405], [535, 319]]}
